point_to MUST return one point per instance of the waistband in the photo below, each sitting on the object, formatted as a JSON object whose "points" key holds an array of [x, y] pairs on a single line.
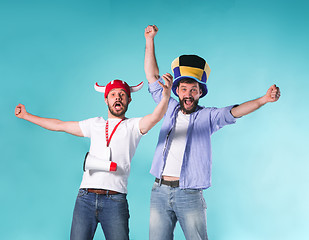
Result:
{"points": [[101, 191], [173, 184]]}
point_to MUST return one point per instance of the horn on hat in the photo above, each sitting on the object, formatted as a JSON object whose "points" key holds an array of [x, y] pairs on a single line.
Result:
{"points": [[137, 87], [99, 88], [102, 89]]}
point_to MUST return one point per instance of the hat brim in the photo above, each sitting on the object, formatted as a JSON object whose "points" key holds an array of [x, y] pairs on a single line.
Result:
{"points": [[203, 85]]}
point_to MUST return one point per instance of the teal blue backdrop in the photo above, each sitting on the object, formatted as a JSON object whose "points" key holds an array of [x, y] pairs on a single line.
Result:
{"points": [[51, 54]]}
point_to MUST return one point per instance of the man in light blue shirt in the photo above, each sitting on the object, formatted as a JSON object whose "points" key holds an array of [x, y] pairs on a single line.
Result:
{"points": [[182, 160]]}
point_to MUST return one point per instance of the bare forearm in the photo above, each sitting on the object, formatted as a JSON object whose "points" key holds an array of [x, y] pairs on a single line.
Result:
{"points": [[70, 127], [248, 107], [152, 119], [150, 64], [272, 95], [160, 110], [47, 123]]}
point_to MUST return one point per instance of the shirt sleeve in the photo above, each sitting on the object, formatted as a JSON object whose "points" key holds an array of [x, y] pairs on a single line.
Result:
{"points": [[136, 129], [156, 90], [85, 126], [219, 117]]}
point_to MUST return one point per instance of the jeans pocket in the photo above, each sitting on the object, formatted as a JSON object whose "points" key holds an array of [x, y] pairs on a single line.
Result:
{"points": [[191, 191], [155, 186], [203, 202], [82, 192], [119, 197]]}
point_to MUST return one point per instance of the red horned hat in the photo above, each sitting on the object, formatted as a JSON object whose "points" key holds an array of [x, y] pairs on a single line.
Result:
{"points": [[117, 84]]}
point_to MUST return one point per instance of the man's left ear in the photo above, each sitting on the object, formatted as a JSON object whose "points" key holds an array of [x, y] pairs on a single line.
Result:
{"points": [[130, 99], [201, 92]]}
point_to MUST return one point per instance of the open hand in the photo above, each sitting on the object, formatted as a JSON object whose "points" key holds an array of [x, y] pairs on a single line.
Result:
{"points": [[167, 86], [151, 31]]}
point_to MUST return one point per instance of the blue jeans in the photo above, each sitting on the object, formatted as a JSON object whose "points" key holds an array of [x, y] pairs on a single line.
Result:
{"points": [[110, 210], [169, 205]]}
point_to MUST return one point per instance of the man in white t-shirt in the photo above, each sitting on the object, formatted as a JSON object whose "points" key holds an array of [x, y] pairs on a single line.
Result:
{"points": [[102, 193]]}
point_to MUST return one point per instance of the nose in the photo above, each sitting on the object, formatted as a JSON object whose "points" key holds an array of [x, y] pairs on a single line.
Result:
{"points": [[118, 96], [188, 93]]}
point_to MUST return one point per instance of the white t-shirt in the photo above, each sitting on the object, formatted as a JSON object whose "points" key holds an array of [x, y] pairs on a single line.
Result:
{"points": [[177, 148], [123, 145]]}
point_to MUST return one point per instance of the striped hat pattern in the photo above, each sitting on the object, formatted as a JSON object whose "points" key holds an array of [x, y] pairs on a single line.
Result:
{"points": [[190, 66]]}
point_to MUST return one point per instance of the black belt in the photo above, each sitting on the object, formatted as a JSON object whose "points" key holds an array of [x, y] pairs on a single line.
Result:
{"points": [[173, 184]]}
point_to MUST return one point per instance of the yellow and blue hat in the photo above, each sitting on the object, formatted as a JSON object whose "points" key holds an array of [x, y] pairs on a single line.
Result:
{"points": [[190, 66]]}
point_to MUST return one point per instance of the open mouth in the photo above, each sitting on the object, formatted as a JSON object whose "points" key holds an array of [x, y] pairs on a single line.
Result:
{"points": [[188, 105], [188, 101], [118, 105]]}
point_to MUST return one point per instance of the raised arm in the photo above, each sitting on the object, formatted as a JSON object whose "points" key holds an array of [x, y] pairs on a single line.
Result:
{"points": [[272, 95], [150, 64], [49, 123], [147, 122]]}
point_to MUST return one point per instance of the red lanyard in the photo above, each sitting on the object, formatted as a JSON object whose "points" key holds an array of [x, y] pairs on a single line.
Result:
{"points": [[106, 132]]}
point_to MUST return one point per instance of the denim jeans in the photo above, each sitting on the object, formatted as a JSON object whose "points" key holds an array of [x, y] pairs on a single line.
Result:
{"points": [[169, 205], [110, 210]]}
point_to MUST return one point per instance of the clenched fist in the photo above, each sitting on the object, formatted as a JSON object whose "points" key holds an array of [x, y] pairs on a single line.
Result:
{"points": [[151, 31], [20, 111], [273, 94]]}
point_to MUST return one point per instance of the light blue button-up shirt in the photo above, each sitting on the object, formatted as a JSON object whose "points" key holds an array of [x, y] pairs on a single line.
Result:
{"points": [[196, 164]]}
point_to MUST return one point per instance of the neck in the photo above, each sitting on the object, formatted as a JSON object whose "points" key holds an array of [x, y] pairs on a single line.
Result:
{"points": [[110, 115], [185, 113]]}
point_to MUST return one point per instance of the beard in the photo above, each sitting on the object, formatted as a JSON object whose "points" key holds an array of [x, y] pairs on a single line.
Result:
{"points": [[186, 110], [118, 113]]}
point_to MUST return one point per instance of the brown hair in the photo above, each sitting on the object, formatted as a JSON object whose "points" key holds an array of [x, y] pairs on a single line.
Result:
{"points": [[189, 80]]}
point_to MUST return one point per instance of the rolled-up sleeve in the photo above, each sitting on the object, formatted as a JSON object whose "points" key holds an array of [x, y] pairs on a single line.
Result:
{"points": [[155, 90], [220, 117]]}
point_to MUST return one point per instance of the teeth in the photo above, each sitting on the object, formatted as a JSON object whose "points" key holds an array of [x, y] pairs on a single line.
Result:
{"points": [[117, 106]]}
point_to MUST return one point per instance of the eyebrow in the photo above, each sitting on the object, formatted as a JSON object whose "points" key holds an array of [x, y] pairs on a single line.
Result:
{"points": [[187, 87]]}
